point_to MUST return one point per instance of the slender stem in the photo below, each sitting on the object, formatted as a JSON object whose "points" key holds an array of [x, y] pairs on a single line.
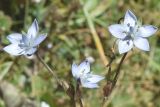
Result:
{"points": [[71, 94], [73, 104], [110, 85], [118, 71], [78, 93], [48, 68]]}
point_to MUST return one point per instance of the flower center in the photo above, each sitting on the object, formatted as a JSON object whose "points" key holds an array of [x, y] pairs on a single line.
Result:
{"points": [[131, 32]]}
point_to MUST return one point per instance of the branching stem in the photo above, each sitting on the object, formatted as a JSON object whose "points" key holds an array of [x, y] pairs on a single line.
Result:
{"points": [[111, 84]]}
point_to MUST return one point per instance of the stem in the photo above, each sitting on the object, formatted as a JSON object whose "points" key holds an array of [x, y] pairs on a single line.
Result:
{"points": [[118, 70], [49, 69], [110, 85], [78, 93], [73, 104], [71, 94]]}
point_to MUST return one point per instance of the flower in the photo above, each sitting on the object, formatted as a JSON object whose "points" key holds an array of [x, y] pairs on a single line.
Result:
{"points": [[25, 44], [131, 32], [37, 1], [44, 104], [83, 73]]}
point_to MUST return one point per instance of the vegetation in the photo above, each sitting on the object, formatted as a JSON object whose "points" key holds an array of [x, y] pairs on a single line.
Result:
{"points": [[77, 29]]}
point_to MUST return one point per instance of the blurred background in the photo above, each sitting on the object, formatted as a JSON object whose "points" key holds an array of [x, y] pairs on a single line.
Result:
{"points": [[77, 29]]}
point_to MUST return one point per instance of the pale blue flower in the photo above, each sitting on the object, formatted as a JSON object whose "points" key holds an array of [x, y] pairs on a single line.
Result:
{"points": [[131, 33], [25, 44], [44, 104], [83, 73]]}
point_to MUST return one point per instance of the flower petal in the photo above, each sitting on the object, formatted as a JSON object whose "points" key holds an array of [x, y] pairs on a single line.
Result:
{"points": [[14, 38], [118, 30], [13, 49], [74, 70], [39, 39], [25, 39], [44, 104], [89, 85], [141, 43], [84, 67], [95, 78], [30, 51], [147, 30], [130, 18], [33, 30], [124, 46]]}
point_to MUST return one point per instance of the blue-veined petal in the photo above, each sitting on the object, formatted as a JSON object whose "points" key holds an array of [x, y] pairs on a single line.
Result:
{"points": [[118, 30], [25, 40], [75, 70], [141, 43], [95, 78], [14, 49], [147, 30], [130, 19], [125, 46], [30, 52], [14, 38], [39, 39], [84, 67], [33, 30], [89, 85]]}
